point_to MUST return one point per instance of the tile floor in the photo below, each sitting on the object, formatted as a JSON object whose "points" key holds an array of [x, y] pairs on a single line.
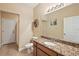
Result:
{"points": [[11, 50]]}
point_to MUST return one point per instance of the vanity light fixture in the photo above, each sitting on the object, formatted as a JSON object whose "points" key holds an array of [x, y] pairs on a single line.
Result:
{"points": [[54, 7]]}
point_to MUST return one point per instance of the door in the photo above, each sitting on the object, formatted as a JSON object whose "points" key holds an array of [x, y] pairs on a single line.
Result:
{"points": [[8, 28]]}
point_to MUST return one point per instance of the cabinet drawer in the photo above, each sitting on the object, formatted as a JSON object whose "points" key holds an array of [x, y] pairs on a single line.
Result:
{"points": [[40, 53], [46, 50]]}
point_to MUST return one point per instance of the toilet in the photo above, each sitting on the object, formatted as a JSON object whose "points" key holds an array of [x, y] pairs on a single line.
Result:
{"points": [[29, 46]]}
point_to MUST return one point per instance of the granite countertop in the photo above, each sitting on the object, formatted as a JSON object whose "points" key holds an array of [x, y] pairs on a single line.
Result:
{"points": [[61, 48]]}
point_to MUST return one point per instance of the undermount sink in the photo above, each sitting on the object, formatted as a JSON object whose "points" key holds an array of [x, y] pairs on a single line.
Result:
{"points": [[49, 43]]}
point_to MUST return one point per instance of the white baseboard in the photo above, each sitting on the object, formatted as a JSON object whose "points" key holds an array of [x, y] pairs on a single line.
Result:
{"points": [[20, 49]]}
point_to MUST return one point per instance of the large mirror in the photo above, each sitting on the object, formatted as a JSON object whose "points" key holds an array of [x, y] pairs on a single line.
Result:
{"points": [[70, 32], [62, 24]]}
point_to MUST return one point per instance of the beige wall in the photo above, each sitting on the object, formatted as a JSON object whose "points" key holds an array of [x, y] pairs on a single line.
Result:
{"points": [[37, 12], [26, 16], [56, 31]]}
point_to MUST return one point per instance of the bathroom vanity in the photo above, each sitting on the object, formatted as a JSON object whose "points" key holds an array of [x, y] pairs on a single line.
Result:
{"points": [[54, 47], [41, 50]]}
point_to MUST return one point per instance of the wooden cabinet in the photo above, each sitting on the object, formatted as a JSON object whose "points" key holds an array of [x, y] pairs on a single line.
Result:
{"points": [[46, 50], [34, 48], [40, 50]]}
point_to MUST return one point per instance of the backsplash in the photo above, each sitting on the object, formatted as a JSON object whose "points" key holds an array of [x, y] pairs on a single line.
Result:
{"points": [[63, 42]]}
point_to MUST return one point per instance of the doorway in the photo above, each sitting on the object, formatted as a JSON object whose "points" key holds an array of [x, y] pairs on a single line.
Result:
{"points": [[9, 28]]}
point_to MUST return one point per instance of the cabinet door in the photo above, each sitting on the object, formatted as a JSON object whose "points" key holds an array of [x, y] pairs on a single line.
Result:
{"points": [[34, 51], [41, 53], [34, 48], [49, 52], [0, 30]]}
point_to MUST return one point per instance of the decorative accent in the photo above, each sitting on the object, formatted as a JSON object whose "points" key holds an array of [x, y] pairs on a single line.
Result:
{"points": [[53, 22], [36, 23]]}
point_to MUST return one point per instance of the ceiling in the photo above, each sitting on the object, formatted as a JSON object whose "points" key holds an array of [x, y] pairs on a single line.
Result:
{"points": [[31, 5]]}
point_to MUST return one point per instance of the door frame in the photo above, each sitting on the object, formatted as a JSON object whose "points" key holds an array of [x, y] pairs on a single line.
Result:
{"points": [[16, 29]]}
